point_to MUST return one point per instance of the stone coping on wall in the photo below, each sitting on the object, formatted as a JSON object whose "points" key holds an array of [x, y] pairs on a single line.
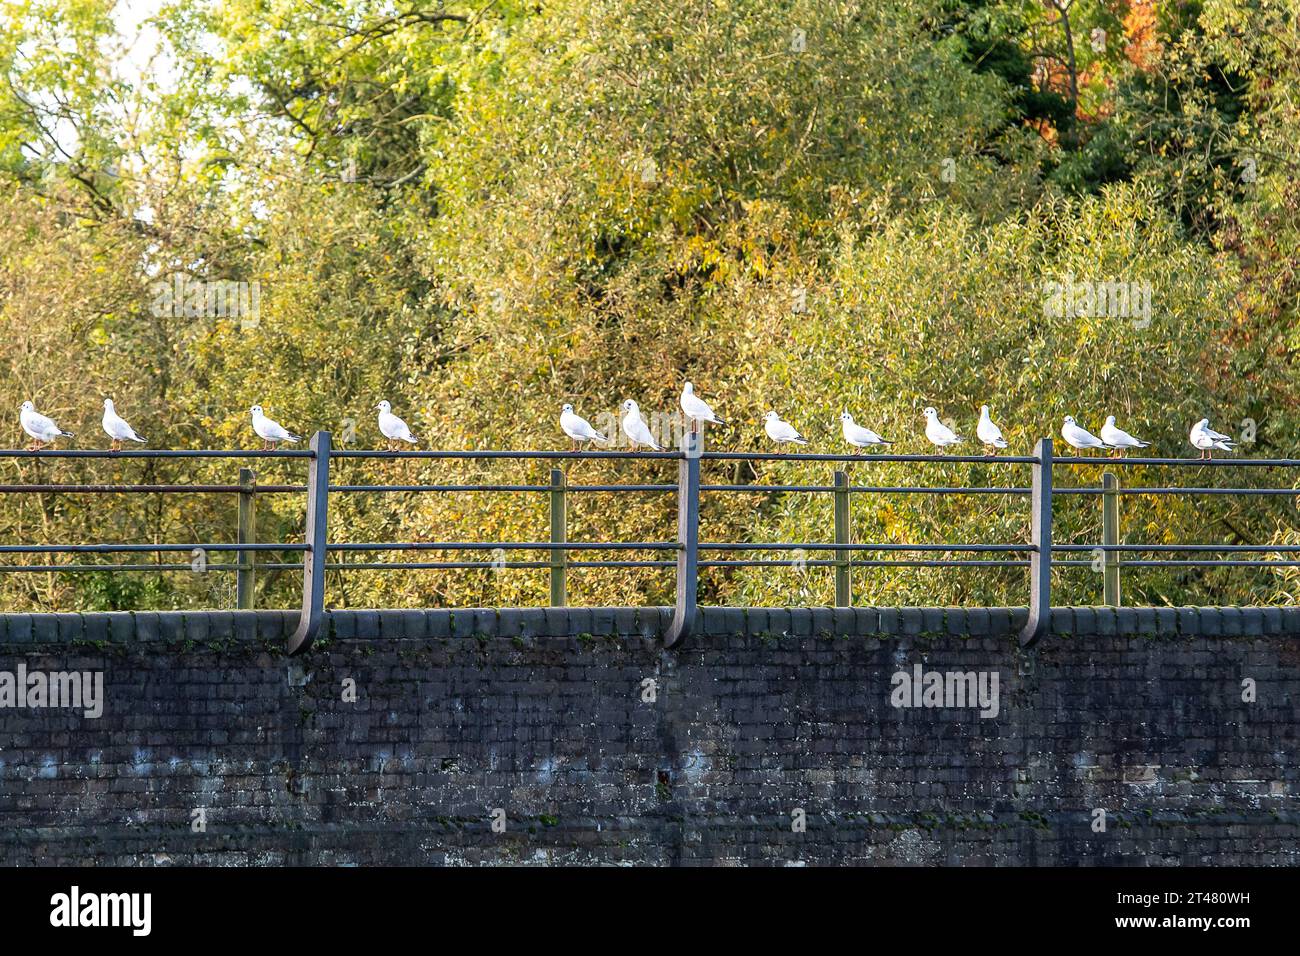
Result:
{"points": [[648, 623]]}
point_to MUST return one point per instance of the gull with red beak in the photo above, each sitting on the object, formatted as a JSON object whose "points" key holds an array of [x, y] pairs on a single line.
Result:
{"points": [[42, 429], [696, 409], [578, 428], [939, 434], [1078, 436], [392, 427], [781, 431], [270, 431], [989, 433], [635, 427], [859, 436], [117, 428], [1206, 439], [1119, 439]]}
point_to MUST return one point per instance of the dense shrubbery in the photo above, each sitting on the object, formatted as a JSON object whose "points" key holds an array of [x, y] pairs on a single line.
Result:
{"points": [[482, 213]]}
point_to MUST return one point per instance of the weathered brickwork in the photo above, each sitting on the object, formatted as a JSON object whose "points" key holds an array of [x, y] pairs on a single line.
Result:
{"points": [[598, 746]]}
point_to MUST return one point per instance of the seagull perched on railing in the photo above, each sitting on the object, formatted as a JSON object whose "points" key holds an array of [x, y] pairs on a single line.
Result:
{"points": [[780, 431], [860, 437], [635, 428], [1205, 438], [578, 428], [270, 431], [1078, 436], [1119, 439], [989, 433], [42, 429], [696, 409], [939, 433], [117, 428], [392, 427]]}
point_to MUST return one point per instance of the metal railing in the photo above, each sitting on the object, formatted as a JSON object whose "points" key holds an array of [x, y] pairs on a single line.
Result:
{"points": [[1111, 549], [1037, 554], [245, 548]]}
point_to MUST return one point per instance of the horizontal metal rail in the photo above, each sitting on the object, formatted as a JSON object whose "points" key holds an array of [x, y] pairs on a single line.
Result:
{"points": [[613, 488], [440, 489], [827, 563], [783, 546], [868, 459], [546, 565], [1194, 462], [870, 489], [511, 565], [1178, 491], [486, 565], [153, 453], [1261, 548], [1156, 563], [518, 455], [46, 568], [504, 546], [122, 548], [150, 489], [755, 489]]}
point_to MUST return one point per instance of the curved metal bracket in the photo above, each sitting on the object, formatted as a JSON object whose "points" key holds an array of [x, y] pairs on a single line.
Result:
{"points": [[688, 537], [1040, 560], [313, 559]]}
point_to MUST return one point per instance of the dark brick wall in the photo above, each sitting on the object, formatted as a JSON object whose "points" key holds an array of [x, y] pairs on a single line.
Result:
{"points": [[457, 714]]}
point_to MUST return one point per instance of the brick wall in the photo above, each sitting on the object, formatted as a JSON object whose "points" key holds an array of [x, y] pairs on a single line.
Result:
{"points": [[543, 716]]}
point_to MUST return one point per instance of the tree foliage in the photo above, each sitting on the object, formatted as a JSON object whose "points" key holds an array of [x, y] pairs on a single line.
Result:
{"points": [[480, 212]]}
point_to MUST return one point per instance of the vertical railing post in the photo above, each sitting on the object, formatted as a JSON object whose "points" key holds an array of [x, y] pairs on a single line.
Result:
{"points": [[843, 536], [559, 535], [1040, 559], [313, 559], [1109, 537], [247, 535], [688, 536]]}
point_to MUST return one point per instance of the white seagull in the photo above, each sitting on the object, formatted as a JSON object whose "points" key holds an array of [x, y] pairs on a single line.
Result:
{"points": [[1207, 439], [635, 428], [939, 433], [42, 429], [696, 409], [1119, 439], [1079, 437], [860, 437], [989, 433], [393, 428], [780, 431], [269, 431], [117, 428], [577, 427]]}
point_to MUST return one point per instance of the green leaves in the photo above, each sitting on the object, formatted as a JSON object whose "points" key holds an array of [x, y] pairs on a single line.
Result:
{"points": [[480, 212]]}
